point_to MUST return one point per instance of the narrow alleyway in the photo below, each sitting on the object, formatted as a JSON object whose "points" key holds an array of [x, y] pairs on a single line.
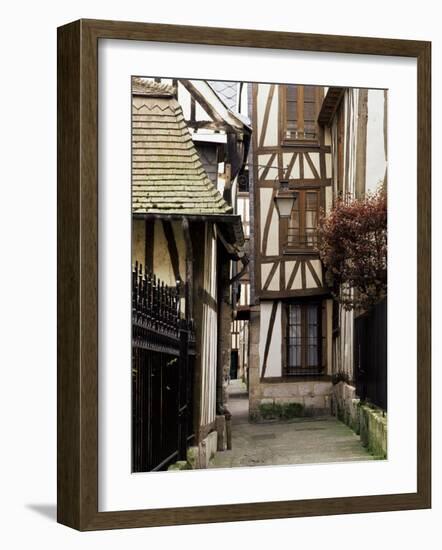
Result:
{"points": [[300, 441]]}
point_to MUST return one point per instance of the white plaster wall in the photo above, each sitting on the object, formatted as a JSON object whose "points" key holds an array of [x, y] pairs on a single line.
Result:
{"points": [[376, 158], [262, 95], [274, 283], [271, 136], [328, 198], [297, 282], [314, 157], [262, 161], [294, 173], [289, 266], [308, 172], [309, 280], [350, 141], [327, 133], [317, 266], [328, 165], [245, 294], [209, 332], [273, 237], [162, 265], [183, 100], [346, 342], [265, 270]]}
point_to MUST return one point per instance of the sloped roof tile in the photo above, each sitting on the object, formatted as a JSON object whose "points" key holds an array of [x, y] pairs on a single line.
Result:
{"points": [[167, 174]]}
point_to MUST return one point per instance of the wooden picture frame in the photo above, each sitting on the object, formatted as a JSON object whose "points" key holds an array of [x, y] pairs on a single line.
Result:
{"points": [[78, 274]]}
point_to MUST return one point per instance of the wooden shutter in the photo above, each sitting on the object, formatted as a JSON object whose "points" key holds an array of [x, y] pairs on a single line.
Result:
{"points": [[300, 108]]}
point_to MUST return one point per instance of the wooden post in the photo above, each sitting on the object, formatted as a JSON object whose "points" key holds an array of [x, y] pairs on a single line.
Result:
{"points": [[254, 378], [224, 328], [182, 396], [189, 270], [228, 417], [193, 242]]}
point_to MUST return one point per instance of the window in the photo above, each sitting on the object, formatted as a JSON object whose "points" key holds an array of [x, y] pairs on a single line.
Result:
{"points": [[303, 223], [301, 105], [304, 341], [243, 182]]}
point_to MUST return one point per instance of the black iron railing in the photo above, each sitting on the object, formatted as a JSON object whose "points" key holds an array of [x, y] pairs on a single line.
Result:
{"points": [[163, 351], [370, 355]]}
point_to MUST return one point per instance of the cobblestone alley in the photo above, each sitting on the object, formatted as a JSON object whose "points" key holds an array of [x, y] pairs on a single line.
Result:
{"points": [[299, 441]]}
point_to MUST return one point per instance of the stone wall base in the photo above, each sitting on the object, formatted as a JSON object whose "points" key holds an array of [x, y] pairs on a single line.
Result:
{"points": [[312, 397], [199, 456], [368, 421]]}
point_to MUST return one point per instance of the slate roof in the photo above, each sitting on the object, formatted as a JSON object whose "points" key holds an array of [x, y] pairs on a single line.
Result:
{"points": [[227, 91], [167, 174]]}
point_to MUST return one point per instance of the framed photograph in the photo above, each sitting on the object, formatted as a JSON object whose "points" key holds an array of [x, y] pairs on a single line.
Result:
{"points": [[243, 275]]}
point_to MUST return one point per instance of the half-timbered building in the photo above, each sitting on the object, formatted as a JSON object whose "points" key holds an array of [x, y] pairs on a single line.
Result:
{"points": [[313, 143], [357, 121], [186, 234]]}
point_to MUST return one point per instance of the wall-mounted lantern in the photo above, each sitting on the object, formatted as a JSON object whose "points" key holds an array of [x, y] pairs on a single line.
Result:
{"points": [[284, 199]]}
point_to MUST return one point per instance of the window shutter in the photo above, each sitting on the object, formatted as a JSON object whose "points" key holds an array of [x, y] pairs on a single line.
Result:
{"points": [[300, 120]]}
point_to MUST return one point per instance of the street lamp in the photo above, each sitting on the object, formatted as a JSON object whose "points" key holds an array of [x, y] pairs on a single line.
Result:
{"points": [[284, 199]]}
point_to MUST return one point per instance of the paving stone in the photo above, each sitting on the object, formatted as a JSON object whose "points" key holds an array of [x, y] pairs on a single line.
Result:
{"points": [[300, 441]]}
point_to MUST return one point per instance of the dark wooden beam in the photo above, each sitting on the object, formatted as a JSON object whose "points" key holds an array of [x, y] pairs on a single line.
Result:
{"points": [[269, 337], [149, 239], [172, 248], [189, 269], [330, 105]]}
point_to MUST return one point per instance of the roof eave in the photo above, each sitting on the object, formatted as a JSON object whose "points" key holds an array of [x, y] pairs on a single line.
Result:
{"points": [[330, 105], [229, 224]]}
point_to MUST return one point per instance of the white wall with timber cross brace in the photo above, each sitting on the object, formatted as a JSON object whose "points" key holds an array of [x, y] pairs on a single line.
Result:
{"points": [[267, 136], [274, 363], [162, 262]]}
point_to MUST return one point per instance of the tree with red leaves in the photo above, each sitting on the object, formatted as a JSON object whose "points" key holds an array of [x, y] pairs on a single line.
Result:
{"points": [[352, 243]]}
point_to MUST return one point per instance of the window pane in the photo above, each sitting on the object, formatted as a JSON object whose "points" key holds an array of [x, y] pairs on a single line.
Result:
{"points": [[312, 336], [309, 112], [295, 341], [311, 217], [310, 93], [309, 108], [311, 200], [291, 110], [304, 339], [292, 92], [303, 222]]}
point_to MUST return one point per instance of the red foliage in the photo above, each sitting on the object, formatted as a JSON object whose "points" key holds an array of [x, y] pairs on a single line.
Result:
{"points": [[352, 243]]}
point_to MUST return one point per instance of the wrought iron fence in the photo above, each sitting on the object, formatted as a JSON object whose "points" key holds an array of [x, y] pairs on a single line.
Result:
{"points": [[370, 355], [163, 351]]}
